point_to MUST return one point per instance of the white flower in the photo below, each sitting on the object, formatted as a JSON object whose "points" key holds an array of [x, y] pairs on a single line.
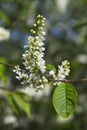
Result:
{"points": [[21, 75], [43, 33], [44, 79], [40, 44], [17, 69], [63, 70], [51, 72]]}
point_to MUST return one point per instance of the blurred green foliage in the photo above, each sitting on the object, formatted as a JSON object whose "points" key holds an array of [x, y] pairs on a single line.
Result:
{"points": [[66, 39], [2, 70], [18, 102]]}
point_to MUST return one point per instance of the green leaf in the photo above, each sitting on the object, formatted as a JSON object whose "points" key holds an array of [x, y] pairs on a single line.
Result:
{"points": [[22, 103], [12, 102], [64, 99], [50, 67], [18, 102], [4, 17], [22, 95], [2, 70]]}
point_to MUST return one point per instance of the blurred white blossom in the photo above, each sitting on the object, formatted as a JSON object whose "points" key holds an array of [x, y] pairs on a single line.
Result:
{"points": [[62, 5], [10, 119], [45, 92], [4, 34], [64, 120]]}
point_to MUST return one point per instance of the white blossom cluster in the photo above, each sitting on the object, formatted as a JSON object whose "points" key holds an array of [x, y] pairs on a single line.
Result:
{"points": [[63, 71], [34, 70], [4, 34]]}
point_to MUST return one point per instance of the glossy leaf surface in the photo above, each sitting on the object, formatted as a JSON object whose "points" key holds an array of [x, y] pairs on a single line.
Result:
{"points": [[65, 99]]}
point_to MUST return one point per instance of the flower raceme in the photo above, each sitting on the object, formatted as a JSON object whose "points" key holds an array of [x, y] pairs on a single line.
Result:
{"points": [[34, 72], [63, 71]]}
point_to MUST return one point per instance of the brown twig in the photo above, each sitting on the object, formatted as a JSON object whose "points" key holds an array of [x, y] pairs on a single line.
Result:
{"points": [[68, 81], [3, 63]]}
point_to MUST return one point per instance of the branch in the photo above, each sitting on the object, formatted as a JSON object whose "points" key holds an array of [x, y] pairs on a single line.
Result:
{"points": [[65, 81], [6, 64], [68, 81]]}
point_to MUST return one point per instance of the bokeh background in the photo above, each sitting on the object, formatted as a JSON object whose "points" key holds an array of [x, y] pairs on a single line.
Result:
{"points": [[66, 38]]}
